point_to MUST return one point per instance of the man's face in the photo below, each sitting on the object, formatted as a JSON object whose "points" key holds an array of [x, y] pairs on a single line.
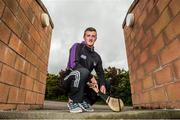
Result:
{"points": [[90, 38]]}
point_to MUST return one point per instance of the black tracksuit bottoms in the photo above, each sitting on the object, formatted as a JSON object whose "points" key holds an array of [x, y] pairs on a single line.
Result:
{"points": [[77, 88]]}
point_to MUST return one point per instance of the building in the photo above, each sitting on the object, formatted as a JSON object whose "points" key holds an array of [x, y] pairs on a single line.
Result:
{"points": [[153, 52]]}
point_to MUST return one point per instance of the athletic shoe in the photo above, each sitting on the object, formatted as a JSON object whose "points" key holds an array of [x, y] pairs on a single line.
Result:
{"points": [[86, 106], [74, 107]]}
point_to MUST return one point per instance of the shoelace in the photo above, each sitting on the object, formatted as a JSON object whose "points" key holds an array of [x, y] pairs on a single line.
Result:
{"points": [[85, 104], [73, 105]]}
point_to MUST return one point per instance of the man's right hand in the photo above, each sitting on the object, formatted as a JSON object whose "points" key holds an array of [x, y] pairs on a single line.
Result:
{"points": [[94, 81]]}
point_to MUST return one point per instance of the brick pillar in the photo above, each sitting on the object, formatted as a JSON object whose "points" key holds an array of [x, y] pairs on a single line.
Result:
{"points": [[153, 52], [24, 52]]}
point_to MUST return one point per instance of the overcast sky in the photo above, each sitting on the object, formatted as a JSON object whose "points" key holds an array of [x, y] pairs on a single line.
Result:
{"points": [[72, 17]]}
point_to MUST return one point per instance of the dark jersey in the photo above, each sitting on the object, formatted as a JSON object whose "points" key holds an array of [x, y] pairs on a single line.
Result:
{"points": [[83, 56]]}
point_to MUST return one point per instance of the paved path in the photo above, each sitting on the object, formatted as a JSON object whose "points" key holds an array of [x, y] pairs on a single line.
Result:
{"points": [[58, 110]]}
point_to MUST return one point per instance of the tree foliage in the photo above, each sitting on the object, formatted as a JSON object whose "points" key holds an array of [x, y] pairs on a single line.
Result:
{"points": [[120, 85], [119, 80]]}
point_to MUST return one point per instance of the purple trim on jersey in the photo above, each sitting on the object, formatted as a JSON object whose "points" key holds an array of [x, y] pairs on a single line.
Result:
{"points": [[71, 63]]}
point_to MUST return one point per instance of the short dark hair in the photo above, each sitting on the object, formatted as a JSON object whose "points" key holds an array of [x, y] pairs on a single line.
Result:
{"points": [[89, 29]]}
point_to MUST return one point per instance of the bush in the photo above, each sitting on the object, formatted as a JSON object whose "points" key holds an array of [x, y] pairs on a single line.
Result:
{"points": [[119, 80]]}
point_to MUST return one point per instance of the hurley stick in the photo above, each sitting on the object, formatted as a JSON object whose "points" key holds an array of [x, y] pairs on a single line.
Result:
{"points": [[115, 104]]}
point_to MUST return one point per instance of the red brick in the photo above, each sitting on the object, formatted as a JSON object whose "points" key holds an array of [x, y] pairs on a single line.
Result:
{"points": [[38, 50], [43, 77], [40, 99], [35, 107], [2, 6], [130, 59], [20, 64], [13, 95], [174, 6], [12, 5], [139, 35], [132, 88], [138, 87], [16, 95], [162, 4], [42, 66], [148, 38], [174, 105], [142, 4], [4, 32], [137, 50], [10, 76], [36, 9], [171, 52], [38, 87], [151, 65], [132, 35], [134, 65], [157, 45], [7, 106], [173, 92], [145, 97], [27, 67], [172, 30], [131, 46], [12, 21], [132, 77], [21, 107], [150, 5], [151, 18], [27, 9], [23, 19], [34, 33], [164, 75], [135, 99], [1, 67], [148, 82], [9, 57], [30, 97], [33, 72], [162, 22], [27, 82], [140, 73], [177, 68], [28, 40], [16, 44], [30, 2], [21, 96], [143, 56], [2, 51], [158, 95], [4, 89], [31, 57]]}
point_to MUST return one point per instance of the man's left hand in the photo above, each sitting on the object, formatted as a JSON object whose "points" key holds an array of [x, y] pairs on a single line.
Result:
{"points": [[103, 89]]}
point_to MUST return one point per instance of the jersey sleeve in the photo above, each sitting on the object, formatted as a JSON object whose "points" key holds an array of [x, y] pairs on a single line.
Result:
{"points": [[100, 72], [74, 56]]}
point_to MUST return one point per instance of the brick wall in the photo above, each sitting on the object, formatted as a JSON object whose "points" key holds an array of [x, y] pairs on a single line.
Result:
{"points": [[153, 52], [24, 52]]}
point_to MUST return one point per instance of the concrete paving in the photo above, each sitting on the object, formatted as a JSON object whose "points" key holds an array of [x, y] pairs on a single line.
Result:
{"points": [[58, 110]]}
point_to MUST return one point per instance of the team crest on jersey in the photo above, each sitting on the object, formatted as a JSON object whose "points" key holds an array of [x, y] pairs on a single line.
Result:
{"points": [[83, 57]]}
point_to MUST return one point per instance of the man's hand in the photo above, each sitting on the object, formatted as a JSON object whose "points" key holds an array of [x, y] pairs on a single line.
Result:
{"points": [[94, 81], [103, 89]]}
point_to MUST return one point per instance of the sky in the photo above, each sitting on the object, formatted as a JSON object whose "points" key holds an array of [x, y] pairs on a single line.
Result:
{"points": [[72, 17]]}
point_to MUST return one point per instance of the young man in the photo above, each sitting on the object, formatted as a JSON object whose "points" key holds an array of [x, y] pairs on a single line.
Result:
{"points": [[82, 60]]}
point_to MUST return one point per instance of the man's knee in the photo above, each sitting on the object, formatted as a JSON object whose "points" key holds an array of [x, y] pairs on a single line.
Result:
{"points": [[84, 71]]}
